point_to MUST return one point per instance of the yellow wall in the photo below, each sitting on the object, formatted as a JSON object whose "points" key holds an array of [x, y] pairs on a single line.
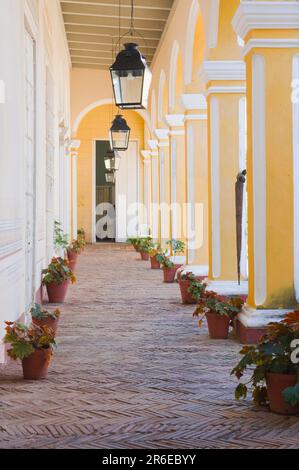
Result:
{"points": [[95, 125]]}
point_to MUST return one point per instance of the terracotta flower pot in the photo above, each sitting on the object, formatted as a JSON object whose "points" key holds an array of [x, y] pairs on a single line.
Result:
{"points": [[186, 296], [73, 259], [276, 384], [35, 367], [169, 273], [57, 292], [154, 263], [49, 322], [144, 256], [218, 325]]}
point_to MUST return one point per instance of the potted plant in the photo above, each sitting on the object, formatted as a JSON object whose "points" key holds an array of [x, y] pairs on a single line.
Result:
{"points": [[73, 251], [219, 311], [274, 371], [154, 251], [170, 267], [145, 244], [60, 239], [191, 287], [33, 345], [57, 277], [134, 241], [42, 317]]}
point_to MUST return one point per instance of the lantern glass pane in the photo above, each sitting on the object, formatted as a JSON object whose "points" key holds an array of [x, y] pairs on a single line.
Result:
{"points": [[110, 178], [112, 163], [119, 140], [128, 86]]}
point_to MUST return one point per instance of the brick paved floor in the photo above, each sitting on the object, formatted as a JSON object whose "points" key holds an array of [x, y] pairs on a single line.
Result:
{"points": [[133, 371]]}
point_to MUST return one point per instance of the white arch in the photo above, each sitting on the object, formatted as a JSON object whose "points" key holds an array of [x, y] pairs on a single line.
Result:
{"points": [[173, 72], [161, 96], [190, 36], [153, 110], [142, 112]]}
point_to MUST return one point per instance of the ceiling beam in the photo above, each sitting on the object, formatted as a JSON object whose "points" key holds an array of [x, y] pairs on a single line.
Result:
{"points": [[144, 4], [105, 22], [112, 12]]}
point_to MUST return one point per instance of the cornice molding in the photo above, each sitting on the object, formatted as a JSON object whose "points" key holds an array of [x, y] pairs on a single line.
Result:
{"points": [[174, 120], [270, 43], [265, 15], [226, 89], [153, 144], [196, 117], [161, 134], [192, 101], [222, 70]]}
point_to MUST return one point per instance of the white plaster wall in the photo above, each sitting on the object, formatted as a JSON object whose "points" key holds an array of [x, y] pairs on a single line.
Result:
{"points": [[44, 21]]}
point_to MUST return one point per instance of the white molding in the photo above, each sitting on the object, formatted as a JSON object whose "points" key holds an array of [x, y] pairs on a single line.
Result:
{"points": [[196, 117], [226, 89], [213, 23], [197, 270], [142, 112], [161, 134], [190, 36], [296, 176], [192, 101], [10, 225], [174, 120], [153, 144], [146, 154], [270, 43], [162, 80], [265, 15], [222, 70], [228, 287], [215, 185], [177, 132], [252, 318], [173, 72], [259, 177]]}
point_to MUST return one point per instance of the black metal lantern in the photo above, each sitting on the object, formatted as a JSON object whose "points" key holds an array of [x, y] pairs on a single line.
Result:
{"points": [[119, 134], [112, 160], [110, 177], [131, 78]]}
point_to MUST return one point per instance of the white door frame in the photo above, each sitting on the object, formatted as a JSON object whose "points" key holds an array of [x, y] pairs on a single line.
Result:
{"points": [[93, 182]]}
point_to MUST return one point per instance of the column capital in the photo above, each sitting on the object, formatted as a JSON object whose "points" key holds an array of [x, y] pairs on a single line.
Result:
{"points": [[222, 70], [74, 145], [174, 120], [146, 154], [252, 15], [193, 101], [153, 144], [163, 137]]}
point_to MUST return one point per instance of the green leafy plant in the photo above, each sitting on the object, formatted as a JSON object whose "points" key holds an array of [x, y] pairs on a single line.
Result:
{"points": [[177, 247], [197, 287], [145, 245], [138, 242], [25, 340], [57, 272], [164, 259], [211, 302], [60, 238], [155, 249], [81, 233], [40, 314], [271, 355], [77, 245]]}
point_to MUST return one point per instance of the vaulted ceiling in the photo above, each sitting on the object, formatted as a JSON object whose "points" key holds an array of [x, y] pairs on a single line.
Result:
{"points": [[92, 24]]}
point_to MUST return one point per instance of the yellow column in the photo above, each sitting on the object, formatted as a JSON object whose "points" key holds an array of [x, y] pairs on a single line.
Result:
{"points": [[177, 175], [272, 60], [225, 84], [197, 180], [164, 185]]}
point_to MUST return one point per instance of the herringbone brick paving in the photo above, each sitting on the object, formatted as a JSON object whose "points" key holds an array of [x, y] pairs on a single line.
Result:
{"points": [[133, 371]]}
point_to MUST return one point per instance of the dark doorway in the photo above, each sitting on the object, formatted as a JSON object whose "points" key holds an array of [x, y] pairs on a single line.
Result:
{"points": [[105, 197]]}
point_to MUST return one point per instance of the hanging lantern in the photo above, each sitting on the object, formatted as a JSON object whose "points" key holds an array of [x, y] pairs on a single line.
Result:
{"points": [[119, 134], [112, 160], [110, 177], [131, 78]]}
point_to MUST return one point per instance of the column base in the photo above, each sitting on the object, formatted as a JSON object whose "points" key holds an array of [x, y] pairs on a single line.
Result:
{"points": [[251, 323], [229, 288], [197, 270]]}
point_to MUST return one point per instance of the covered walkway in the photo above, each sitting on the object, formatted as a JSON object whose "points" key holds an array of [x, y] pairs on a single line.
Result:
{"points": [[132, 370]]}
